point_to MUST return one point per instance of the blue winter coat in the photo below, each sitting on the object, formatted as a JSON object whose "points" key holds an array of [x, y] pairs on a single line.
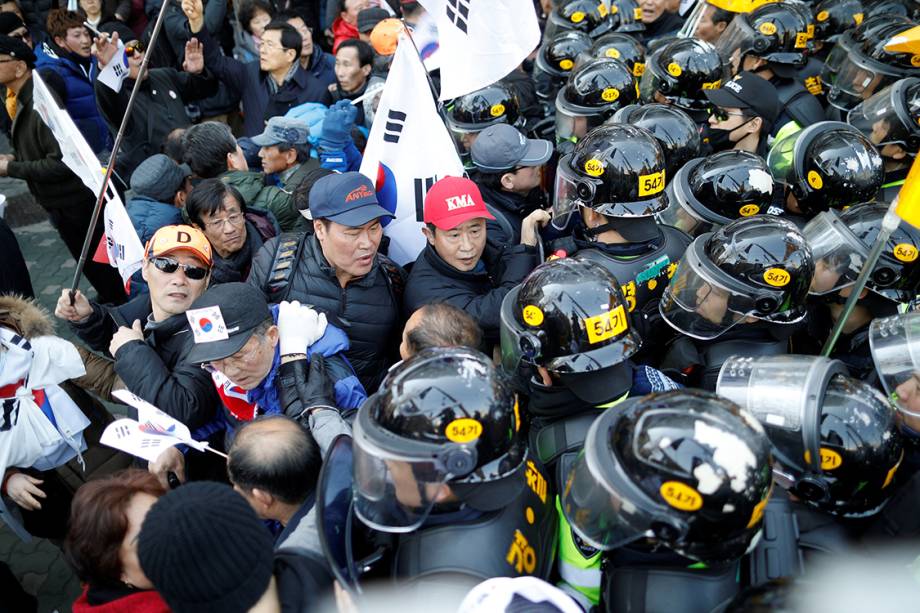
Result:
{"points": [[80, 98]]}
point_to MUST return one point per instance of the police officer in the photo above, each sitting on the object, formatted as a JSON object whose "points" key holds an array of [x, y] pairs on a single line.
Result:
{"points": [[739, 289], [840, 243], [895, 343], [619, 46], [586, 16], [773, 42], [556, 59], [891, 120], [680, 72], [472, 113], [440, 460], [614, 183], [827, 165], [711, 191], [665, 482], [592, 94], [743, 112], [674, 130], [836, 443], [832, 19]]}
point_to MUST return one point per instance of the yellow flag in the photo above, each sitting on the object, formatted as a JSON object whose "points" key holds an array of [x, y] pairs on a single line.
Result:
{"points": [[738, 6], [908, 207]]}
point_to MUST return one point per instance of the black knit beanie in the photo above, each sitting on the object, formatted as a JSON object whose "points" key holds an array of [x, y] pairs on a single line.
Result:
{"points": [[205, 549]]}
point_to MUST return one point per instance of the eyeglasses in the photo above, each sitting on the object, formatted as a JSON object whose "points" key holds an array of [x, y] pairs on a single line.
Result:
{"points": [[234, 219], [138, 46], [722, 114], [169, 266]]}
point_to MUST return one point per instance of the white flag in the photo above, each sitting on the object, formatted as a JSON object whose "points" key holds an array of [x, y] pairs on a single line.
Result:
{"points": [[124, 247], [481, 41], [407, 151], [116, 71]]}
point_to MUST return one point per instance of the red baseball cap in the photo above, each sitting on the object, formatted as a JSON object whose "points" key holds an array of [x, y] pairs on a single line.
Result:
{"points": [[453, 200]]}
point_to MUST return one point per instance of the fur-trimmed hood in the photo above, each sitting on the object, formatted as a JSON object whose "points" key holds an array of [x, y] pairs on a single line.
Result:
{"points": [[27, 317]]}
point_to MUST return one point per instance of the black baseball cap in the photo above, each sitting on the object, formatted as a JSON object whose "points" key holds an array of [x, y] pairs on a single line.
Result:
{"points": [[233, 310], [17, 49], [747, 91]]}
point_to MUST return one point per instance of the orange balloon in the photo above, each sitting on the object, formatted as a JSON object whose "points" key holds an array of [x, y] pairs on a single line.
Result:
{"points": [[385, 36]]}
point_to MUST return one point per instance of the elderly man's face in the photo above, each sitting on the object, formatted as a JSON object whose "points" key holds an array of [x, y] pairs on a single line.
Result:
{"points": [[275, 159], [252, 363], [652, 9], [225, 229]]}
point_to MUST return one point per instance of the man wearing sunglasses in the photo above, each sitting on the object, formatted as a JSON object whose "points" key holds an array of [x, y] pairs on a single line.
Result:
{"points": [[742, 115], [148, 337]]}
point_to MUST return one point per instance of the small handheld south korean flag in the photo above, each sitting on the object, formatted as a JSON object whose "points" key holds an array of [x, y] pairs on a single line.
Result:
{"points": [[207, 324]]}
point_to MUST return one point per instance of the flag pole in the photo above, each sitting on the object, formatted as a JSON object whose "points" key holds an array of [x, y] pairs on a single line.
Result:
{"points": [[889, 224], [119, 136]]}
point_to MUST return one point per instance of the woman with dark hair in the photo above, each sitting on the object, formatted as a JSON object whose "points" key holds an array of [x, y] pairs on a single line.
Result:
{"points": [[101, 545]]}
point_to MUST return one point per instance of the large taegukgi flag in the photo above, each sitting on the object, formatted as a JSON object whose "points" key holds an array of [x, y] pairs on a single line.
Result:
{"points": [[124, 248], [481, 41], [407, 151]]}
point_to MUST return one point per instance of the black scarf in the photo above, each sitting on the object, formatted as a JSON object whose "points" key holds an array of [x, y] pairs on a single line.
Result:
{"points": [[236, 267]]}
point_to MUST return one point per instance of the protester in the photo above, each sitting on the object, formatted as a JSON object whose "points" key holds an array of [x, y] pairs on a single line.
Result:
{"points": [[101, 546], [459, 266], [345, 25], [341, 273], [320, 64], [438, 325], [14, 275], [354, 62], [36, 158], [285, 151]]}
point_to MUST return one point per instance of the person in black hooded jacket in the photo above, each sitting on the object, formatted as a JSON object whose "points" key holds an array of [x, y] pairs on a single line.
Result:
{"points": [[458, 266]]}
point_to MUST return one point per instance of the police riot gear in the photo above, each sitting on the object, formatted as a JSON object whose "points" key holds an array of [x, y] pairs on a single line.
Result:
{"points": [[833, 17], [757, 268], [891, 116], [623, 47], [895, 346], [586, 16], [556, 59], [626, 16], [474, 112], [827, 165], [852, 39], [444, 417], [868, 67], [714, 190], [687, 469], [841, 243], [675, 131], [681, 71], [835, 439], [591, 95], [618, 170], [777, 32]]}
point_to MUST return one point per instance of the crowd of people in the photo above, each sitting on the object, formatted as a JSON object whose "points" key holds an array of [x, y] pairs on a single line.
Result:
{"points": [[660, 351]]}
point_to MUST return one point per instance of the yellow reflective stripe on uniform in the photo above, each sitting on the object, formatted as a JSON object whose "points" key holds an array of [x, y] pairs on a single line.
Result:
{"points": [[613, 402], [580, 573]]}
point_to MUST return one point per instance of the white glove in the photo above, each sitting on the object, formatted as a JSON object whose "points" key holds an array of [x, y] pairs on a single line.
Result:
{"points": [[299, 327]]}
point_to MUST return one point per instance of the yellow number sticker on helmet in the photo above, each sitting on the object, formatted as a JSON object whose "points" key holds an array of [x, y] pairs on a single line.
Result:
{"points": [[748, 209], [594, 167], [566, 64], [830, 459], [602, 9], [532, 315], [610, 94], [497, 110], [822, 15], [815, 180], [613, 52], [767, 29], [905, 252], [638, 70], [858, 17], [606, 325], [681, 496], [463, 430], [637, 14], [915, 60], [577, 17], [777, 277], [674, 69], [801, 40], [651, 184]]}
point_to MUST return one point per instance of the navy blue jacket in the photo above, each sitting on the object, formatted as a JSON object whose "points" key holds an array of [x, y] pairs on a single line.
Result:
{"points": [[322, 67], [251, 83], [79, 97]]}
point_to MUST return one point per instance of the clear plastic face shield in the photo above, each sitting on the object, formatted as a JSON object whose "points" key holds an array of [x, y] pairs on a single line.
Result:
{"points": [[839, 255], [781, 158], [856, 80], [571, 192], [692, 21], [702, 302], [785, 394], [597, 498], [895, 345], [574, 126], [678, 214], [737, 35], [395, 492], [879, 117]]}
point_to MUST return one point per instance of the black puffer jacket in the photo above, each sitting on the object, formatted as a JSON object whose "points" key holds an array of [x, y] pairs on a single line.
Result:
{"points": [[367, 309], [155, 369], [479, 293]]}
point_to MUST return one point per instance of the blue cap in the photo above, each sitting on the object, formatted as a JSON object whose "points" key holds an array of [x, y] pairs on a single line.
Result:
{"points": [[282, 130], [348, 199]]}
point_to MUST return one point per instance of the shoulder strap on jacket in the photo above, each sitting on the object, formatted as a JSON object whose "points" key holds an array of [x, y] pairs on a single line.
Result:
{"points": [[287, 253]]}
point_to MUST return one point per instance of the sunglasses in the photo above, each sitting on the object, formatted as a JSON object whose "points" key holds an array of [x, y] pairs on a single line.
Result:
{"points": [[722, 114], [138, 46], [169, 266]]}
